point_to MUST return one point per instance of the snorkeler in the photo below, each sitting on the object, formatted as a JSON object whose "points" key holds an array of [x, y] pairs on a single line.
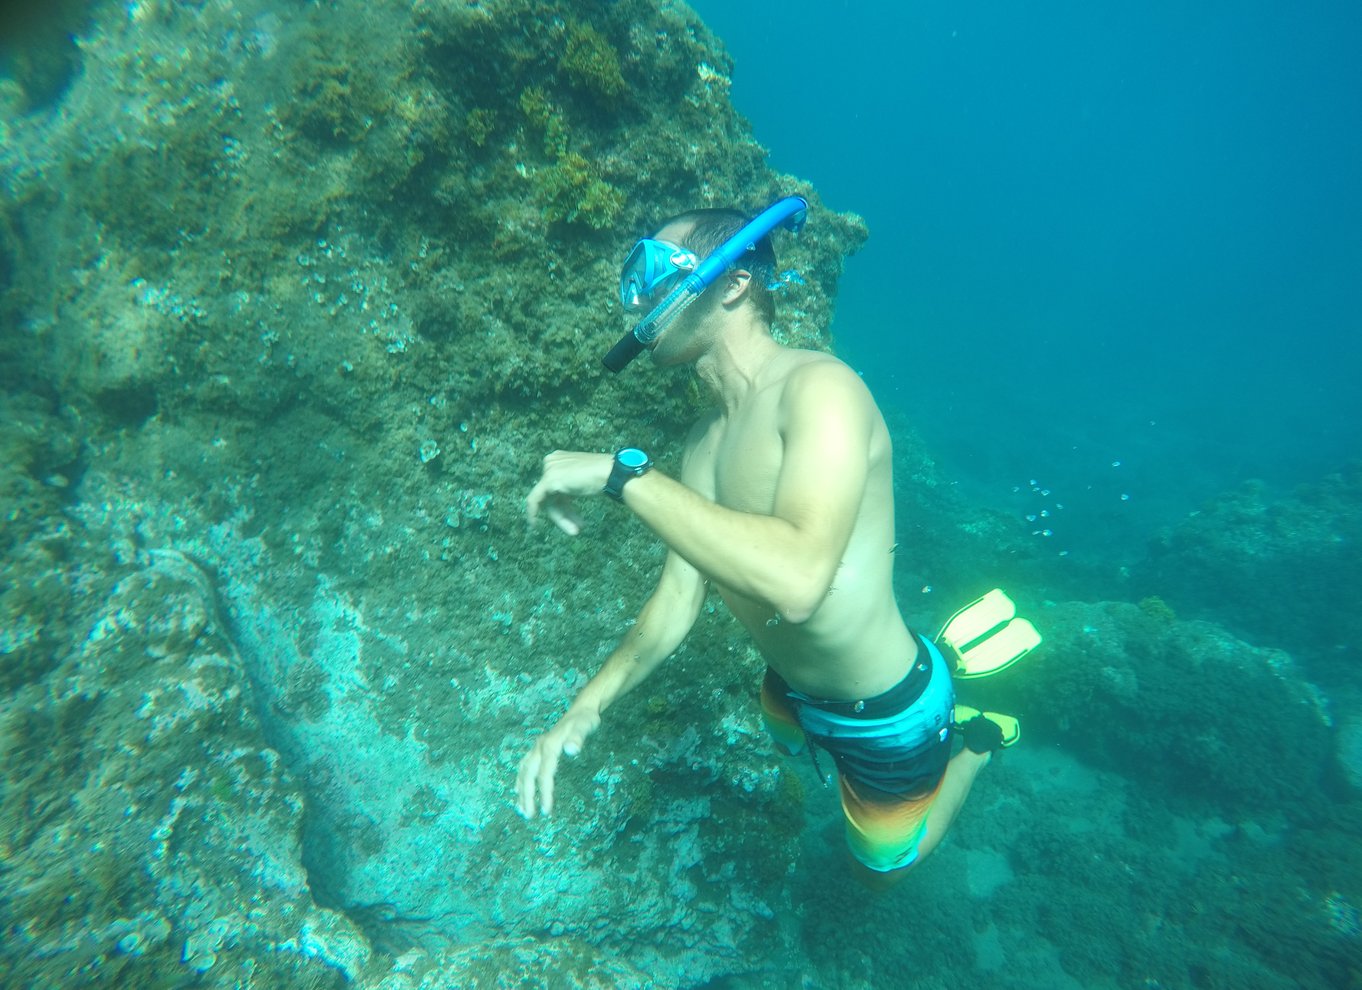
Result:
{"points": [[785, 505]]}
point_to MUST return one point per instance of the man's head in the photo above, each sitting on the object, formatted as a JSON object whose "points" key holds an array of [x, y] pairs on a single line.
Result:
{"points": [[701, 270], [739, 293], [701, 231]]}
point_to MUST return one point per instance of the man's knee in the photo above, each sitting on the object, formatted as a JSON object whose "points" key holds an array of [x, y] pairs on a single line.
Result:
{"points": [[880, 880]]}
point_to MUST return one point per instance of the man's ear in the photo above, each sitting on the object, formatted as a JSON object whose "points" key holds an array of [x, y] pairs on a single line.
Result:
{"points": [[737, 282]]}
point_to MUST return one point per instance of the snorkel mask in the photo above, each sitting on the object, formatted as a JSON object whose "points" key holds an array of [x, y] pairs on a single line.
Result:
{"points": [[651, 271], [656, 268]]}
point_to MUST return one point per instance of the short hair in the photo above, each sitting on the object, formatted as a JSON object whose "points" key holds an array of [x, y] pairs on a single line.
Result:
{"points": [[710, 228]]}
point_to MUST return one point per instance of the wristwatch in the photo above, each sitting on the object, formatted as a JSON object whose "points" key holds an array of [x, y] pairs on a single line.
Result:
{"points": [[629, 463]]}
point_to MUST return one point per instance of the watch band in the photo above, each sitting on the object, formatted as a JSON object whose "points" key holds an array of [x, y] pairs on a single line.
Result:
{"points": [[630, 462]]}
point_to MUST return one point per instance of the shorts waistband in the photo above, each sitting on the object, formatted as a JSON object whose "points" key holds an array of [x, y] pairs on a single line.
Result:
{"points": [[885, 705]]}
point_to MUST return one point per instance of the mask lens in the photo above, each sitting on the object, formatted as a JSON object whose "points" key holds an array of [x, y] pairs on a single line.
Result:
{"points": [[652, 269]]}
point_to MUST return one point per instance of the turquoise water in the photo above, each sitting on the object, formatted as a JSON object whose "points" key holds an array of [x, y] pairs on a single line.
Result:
{"points": [[1114, 264], [1098, 233], [294, 299]]}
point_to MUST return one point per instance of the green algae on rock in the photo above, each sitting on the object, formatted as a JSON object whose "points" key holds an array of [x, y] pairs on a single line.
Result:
{"points": [[257, 260]]}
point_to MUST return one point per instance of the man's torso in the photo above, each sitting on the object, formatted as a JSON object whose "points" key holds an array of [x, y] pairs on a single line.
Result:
{"points": [[855, 645]]}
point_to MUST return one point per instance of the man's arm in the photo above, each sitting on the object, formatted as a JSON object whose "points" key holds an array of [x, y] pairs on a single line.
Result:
{"points": [[787, 559], [661, 626]]}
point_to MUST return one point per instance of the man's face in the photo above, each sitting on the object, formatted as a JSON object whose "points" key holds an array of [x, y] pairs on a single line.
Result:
{"points": [[675, 344], [652, 272]]}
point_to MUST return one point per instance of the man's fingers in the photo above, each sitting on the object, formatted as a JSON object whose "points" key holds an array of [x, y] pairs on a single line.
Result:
{"points": [[534, 782], [545, 779], [563, 516], [524, 784], [541, 490], [534, 500], [557, 507], [537, 771]]}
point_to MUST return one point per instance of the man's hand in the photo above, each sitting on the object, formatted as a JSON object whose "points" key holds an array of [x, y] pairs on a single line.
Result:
{"points": [[567, 473], [540, 764]]}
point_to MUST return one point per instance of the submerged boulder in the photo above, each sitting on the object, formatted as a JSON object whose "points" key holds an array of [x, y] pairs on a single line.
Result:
{"points": [[1278, 568], [314, 290], [1180, 705], [152, 835]]}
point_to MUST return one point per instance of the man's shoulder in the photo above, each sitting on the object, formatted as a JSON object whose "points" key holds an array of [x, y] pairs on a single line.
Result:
{"points": [[817, 372], [824, 394]]}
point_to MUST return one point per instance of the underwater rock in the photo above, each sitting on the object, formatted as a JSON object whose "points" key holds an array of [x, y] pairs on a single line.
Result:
{"points": [[1183, 707], [372, 206], [259, 257], [152, 834], [673, 840], [1280, 569]]}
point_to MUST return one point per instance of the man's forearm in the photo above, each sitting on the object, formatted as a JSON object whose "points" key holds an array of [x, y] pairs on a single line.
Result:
{"points": [[761, 557], [622, 671], [661, 626]]}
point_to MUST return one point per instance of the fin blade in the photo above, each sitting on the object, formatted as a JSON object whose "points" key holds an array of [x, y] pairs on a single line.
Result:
{"points": [[1010, 726], [977, 618], [1004, 648]]}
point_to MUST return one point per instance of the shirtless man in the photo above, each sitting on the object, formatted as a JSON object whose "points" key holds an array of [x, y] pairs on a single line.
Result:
{"points": [[785, 504]]}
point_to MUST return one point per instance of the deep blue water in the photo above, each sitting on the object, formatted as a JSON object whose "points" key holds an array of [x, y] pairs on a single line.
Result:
{"points": [[1099, 233]]}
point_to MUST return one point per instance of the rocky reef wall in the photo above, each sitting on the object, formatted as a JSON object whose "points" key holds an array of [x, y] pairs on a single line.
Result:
{"points": [[295, 299], [1279, 567]]}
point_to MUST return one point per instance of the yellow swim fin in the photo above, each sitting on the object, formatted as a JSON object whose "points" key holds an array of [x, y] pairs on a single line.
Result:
{"points": [[1010, 726], [986, 636]]}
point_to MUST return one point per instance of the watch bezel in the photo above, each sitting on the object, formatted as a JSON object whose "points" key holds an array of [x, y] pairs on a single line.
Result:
{"points": [[624, 455]]}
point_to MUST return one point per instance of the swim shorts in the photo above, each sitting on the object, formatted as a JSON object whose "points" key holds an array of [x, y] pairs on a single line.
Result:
{"points": [[891, 753]]}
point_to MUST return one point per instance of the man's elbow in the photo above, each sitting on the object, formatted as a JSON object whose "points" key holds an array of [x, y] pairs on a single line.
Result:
{"points": [[795, 616], [800, 603]]}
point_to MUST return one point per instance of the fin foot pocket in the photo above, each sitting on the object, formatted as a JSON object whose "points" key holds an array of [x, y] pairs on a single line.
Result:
{"points": [[986, 732]]}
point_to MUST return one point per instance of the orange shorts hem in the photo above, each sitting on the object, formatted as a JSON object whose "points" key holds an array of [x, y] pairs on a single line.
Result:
{"points": [[884, 834]]}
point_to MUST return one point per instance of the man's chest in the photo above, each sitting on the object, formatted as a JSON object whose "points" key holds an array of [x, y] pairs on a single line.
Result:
{"points": [[745, 457]]}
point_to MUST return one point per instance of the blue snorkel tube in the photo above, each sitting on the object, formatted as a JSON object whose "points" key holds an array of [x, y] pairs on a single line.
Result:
{"points": [[790, 211]]}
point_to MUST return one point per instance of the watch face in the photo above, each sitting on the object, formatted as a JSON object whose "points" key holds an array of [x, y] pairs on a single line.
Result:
{"points": [[631, 457]]}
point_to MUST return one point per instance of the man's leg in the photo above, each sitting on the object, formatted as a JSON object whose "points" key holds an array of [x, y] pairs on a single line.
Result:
{"points": [[950, 795], [779, 718], [955, 787]]}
